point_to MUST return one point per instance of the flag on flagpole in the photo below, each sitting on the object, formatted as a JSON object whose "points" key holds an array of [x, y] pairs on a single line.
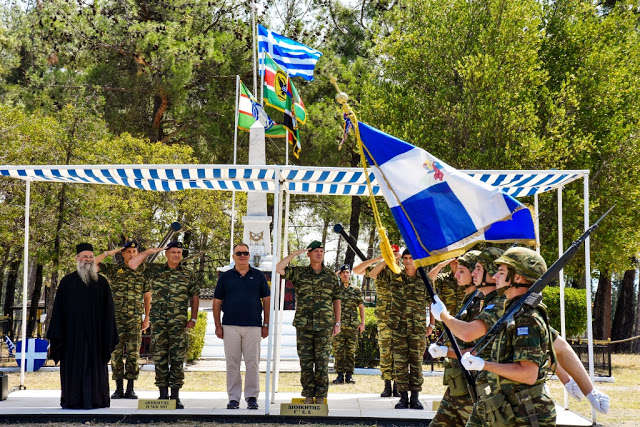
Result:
{"points": [[290, 122], [440, 211], [296, 58], [250, 110], [275, 88]]}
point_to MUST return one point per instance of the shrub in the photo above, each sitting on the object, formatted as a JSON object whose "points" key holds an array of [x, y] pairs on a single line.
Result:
{"points": [[195, 337], [367, 353], [575, 309]]}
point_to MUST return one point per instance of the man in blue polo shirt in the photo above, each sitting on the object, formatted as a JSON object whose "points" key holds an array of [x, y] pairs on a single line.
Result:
{"points": [[243, 294]]}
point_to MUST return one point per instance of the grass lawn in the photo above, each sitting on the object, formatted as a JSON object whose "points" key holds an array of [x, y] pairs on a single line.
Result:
{"points": [[624, 392]]}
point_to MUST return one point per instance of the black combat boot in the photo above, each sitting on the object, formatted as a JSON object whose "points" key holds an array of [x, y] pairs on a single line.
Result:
{"points": [[387, 389], [414, 402], [130, 394], [404, 400], [119, 393], [175, 395], [164, 393], [340, 379], [395, 390], [348, 378]]}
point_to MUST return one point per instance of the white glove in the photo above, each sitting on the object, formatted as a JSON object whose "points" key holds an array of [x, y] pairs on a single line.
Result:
{"points": [[599, 401], [573, 390], [472, 363], [437, 308], [436, 351]]}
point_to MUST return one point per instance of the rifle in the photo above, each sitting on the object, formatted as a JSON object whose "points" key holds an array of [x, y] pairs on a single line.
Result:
{"points": [[533, 296], [442, 339], [338, 228]]}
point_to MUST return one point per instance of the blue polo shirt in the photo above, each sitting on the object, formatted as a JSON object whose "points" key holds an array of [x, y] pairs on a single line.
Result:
{"points": [[242, 297]]}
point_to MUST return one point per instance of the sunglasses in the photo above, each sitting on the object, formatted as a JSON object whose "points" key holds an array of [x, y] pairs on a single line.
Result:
{"points": [[242, 253]]}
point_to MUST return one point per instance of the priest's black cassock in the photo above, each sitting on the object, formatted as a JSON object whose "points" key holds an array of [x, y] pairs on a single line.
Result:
{"points": [[83, 333]]}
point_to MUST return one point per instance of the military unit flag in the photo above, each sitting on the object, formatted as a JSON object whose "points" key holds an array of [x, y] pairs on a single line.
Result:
{"points": [[289, 121], [295, 58], [440, 211], [250, 111], [275, 88]]}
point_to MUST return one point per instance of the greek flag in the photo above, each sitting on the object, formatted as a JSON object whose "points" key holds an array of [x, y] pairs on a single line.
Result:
{"points": [[440, 211], [10, 346], [296, 58]]}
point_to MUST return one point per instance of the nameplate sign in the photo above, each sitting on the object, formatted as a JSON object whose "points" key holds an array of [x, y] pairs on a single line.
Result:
{"points": [[305, 410], [157, 404]]}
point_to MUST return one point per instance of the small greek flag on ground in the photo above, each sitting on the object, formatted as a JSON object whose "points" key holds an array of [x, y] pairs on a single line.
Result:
{"points": [[296, 58], [10, 346], [440, 211]]}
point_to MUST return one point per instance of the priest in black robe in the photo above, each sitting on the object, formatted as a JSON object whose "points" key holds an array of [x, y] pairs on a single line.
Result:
{"points": [[82, 334]]}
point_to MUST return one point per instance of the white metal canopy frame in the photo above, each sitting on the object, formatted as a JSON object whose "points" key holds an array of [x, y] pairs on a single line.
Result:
{"points": [[304, 180]]}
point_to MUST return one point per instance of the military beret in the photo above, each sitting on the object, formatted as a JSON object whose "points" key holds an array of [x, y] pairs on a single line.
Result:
{"points": [[84, 247], [130, 244], [315, 245], [395, 248], [174, 244], [344, 267]]}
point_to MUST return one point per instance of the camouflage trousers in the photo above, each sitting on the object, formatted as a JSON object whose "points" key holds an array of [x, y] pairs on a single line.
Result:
{"points": [[543, 405], [408, 350], [169, 347], [344, 350], [453, 411], [384, 345], [130, 339], [314, 349]]}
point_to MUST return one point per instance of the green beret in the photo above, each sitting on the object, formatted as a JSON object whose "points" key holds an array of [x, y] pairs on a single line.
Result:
{"points": [[315, 245]]}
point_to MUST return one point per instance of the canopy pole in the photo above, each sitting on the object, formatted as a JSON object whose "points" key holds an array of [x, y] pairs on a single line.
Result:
{"points": [[561, 281], [235, 159], [275, 277], [281, 291], [25, 279], [587, 275], [277, 322], [537, 223]]}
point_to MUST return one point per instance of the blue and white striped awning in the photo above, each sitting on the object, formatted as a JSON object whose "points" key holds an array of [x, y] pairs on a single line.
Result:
{"points": [[251, 178]]}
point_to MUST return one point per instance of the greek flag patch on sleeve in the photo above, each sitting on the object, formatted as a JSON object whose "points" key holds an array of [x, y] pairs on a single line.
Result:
{"points": [[490, 306], [522, 330]]}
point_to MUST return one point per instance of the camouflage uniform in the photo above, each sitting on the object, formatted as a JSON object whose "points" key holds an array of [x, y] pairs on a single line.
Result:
{"points": [[314, 320], [128, 287], [408, 323], [346, 342], [449, 292], [383, 306], [504, 399], [172, 290], [456, 404]]}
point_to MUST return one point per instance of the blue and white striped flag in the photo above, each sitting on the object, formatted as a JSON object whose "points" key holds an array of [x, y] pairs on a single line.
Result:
{"points": [[440, 211], [10, 346], [296, 58]]}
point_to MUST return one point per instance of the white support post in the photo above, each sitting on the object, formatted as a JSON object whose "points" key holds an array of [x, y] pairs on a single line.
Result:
{"points": [[561, 281], [537, 221], [275, 277], [278, 324], [282, 290], [235, 159], [587, 274], [25, 279]]}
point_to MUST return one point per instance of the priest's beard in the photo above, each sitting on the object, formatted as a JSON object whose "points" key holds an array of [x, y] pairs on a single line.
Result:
{"points": [[87, 271]]}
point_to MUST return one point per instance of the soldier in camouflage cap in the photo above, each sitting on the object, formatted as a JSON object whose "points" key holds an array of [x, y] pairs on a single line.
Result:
{"points": [[521, 356], [174, 289], [132, 301], [317, 318]]}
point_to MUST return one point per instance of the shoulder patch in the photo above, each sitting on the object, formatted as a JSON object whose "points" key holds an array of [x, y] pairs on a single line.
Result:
{"points": [[490, 306], [522, 331]]}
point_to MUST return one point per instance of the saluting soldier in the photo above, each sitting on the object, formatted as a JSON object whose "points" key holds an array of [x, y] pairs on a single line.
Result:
{"points": [[132, 301], [317, 318], [346, 342], [174, 289]]}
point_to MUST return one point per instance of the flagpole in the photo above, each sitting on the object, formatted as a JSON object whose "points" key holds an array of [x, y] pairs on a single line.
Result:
{"points": [[286, 144], [262, 79], [235, 157], [254, 31]]}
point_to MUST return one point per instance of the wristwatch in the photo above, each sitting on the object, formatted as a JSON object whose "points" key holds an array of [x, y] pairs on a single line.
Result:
{"points": [[265, 325], [432, 326], [337, 323], [194, 320]]}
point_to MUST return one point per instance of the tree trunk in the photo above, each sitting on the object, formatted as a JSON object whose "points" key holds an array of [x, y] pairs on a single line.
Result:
{"points": [[35, 300], [366, 282], [338, 250], [602, 308], [160, 104], [354, 228], [12, 279], [622, 326]]}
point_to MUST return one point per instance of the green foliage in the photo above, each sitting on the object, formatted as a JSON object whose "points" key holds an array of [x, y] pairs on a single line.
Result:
{"points": [[367, 353], [196, 337], [575, 309]]}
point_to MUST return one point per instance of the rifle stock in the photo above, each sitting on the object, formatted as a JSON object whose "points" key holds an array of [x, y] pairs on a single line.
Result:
{"points": [[338, 228]]}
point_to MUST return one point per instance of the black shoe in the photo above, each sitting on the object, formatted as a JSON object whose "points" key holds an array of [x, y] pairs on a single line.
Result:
{"points": [[164, 393], [340, 379], [414, 401], [233, 404], [404, 400], [348, 379], [175, 395], [395, 390], [119, 393], [387, 389], [130, 394], [252, 403]]}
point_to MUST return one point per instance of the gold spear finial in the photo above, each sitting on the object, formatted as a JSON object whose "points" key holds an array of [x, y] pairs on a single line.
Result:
{"points": [[341, 97]]}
